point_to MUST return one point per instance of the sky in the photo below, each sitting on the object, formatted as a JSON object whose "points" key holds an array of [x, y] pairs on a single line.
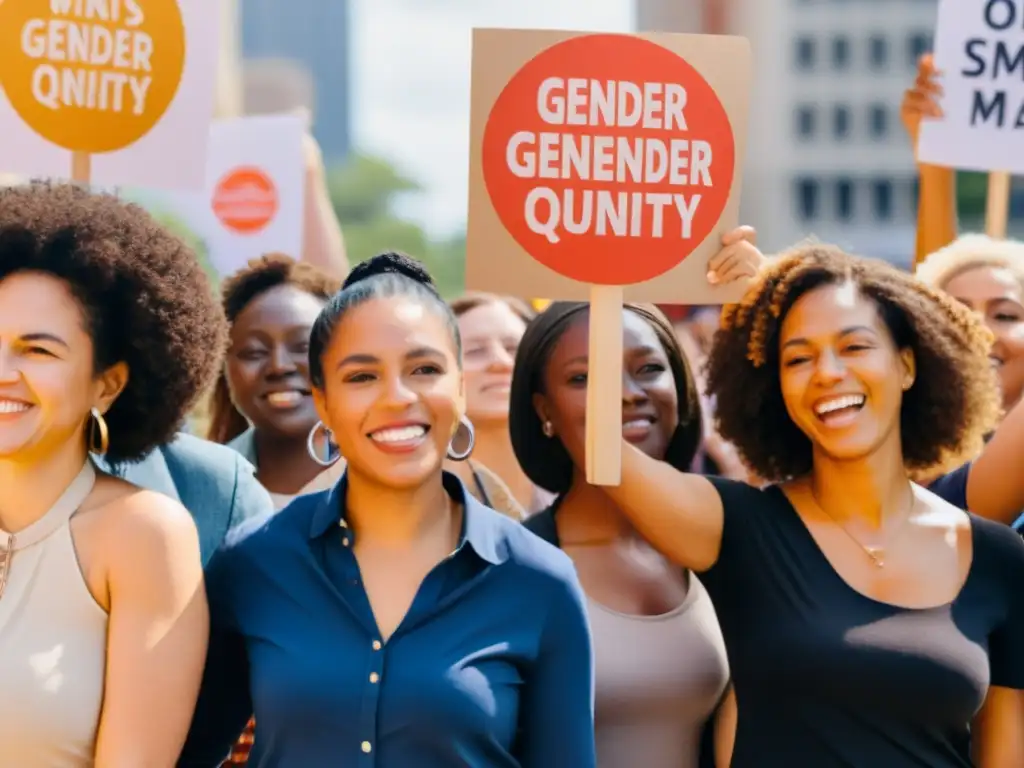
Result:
{"points": [[411, 72]]}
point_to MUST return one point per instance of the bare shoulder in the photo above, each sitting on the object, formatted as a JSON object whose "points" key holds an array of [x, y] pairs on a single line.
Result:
{"points": [[141, 521], [934, 511]]}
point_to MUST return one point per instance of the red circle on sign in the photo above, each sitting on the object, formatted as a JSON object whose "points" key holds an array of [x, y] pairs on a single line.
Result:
{"points": [[245, 200], [584, 187]]}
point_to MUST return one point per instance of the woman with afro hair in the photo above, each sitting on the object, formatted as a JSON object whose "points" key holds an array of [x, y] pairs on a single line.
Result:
{"points": [[867, 621], [108, 332]]}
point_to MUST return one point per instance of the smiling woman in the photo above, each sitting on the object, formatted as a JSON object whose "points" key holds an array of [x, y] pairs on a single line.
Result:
{"points": [[108, 332], [987, 276], [394, 616], [262, 404], [491, 327], [867, 621], [640, 604]]}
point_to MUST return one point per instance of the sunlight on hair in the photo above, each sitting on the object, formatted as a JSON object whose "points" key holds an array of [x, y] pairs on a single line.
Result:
{"points": [[968, 252]]}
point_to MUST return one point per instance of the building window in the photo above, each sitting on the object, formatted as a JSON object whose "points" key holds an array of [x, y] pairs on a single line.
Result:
{"points": [[806, 121], [881, 199], [840, 52], [878, 121], [918, 44], [806, 52], [807, 194], [841, 122], [844, 199], [878, 51]]}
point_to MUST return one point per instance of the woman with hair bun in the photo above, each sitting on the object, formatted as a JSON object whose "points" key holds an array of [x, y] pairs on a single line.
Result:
{"points": [[108, 332], [394, 620], [867, 621]]}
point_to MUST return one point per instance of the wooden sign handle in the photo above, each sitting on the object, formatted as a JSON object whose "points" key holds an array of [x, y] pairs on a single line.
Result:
{"points": [[81, 167], [604, 386], [997, 204]]}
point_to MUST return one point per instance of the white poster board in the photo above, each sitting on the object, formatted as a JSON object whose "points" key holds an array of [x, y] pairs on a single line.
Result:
{"points": [[979, 49], [253, 197], [129, 84]]}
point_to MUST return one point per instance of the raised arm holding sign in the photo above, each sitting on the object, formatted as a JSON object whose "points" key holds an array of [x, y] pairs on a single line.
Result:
{"points": [[979, 48]]}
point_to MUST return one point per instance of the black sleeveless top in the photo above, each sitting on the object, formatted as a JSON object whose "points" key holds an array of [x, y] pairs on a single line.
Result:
{"points": [[828, 677]]}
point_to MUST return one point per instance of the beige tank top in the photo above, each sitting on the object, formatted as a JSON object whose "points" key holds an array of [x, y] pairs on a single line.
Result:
{"points": [[658, 679], [53, 638]]}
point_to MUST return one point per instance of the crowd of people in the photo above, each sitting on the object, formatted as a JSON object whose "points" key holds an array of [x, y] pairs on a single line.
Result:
{"points": [[385, 551]]}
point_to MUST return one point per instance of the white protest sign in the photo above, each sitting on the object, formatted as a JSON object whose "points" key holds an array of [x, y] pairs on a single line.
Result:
{"points": [[979, 48], [253, 197], [127, 84]]}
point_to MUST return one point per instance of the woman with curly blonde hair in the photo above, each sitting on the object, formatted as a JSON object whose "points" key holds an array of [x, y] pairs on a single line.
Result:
{"points": [[987, 276], [867, 621]]}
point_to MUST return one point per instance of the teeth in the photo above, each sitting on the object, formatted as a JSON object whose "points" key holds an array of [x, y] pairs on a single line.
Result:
{"points": [[847, 401], [284, 398], [635, 424], [399, 435], [13, 406]]}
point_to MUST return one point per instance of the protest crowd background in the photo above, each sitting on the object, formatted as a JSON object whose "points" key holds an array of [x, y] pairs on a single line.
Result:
{"points": [[408, 385]]}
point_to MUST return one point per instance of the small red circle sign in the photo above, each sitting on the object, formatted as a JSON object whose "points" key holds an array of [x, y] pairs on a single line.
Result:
{"points": [[245, 200], [608, 158]]}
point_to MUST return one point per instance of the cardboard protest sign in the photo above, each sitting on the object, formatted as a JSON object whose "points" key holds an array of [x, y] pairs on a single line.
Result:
{"points": [[604, 167], [604, 160], [111, 91], [253, 198], [979, 49]]}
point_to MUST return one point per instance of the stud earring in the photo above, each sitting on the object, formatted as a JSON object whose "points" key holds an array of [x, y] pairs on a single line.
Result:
{"points": [[548, 429]]}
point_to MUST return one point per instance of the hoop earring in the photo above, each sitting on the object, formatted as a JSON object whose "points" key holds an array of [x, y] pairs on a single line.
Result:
{"points": [[463, 455], [98, 427], [329, 460]]}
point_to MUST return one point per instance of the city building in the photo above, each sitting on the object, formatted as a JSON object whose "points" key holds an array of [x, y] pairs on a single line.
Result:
{"points": [[286, 46], [826, 153]]}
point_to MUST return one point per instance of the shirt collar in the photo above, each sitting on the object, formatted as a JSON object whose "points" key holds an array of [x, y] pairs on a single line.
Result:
{"points": [[245, 444], [481, 527]]}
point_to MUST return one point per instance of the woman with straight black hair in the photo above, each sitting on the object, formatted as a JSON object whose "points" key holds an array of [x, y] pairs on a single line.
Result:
{"points": [[661, 668], [394, 620]]}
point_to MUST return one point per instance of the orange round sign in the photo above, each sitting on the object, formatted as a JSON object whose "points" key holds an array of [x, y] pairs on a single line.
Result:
{"points": [[91, 76], [245, 200], [608, 158]]}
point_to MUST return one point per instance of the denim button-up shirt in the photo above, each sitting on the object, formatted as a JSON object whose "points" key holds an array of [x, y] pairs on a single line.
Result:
{"points": [[492, 665]]}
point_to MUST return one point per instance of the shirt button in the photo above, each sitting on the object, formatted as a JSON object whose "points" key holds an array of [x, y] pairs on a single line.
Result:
{"points": [[376, 645], [374, 677], [345, 541], [367, 747]]}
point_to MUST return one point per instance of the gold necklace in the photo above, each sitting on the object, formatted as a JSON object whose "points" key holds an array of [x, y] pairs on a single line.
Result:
{"points": [[875, 553], [6, 555]]}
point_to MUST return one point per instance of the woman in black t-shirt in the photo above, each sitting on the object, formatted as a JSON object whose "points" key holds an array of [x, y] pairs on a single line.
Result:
{"points": [[868, 622]]}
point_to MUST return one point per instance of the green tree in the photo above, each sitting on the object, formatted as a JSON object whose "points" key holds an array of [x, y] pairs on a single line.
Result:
{"points": [[971, 191], [177, 225], [364, 192]]}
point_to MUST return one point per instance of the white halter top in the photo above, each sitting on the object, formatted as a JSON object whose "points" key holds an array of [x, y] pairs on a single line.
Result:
{"points": [[53, 638]]}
